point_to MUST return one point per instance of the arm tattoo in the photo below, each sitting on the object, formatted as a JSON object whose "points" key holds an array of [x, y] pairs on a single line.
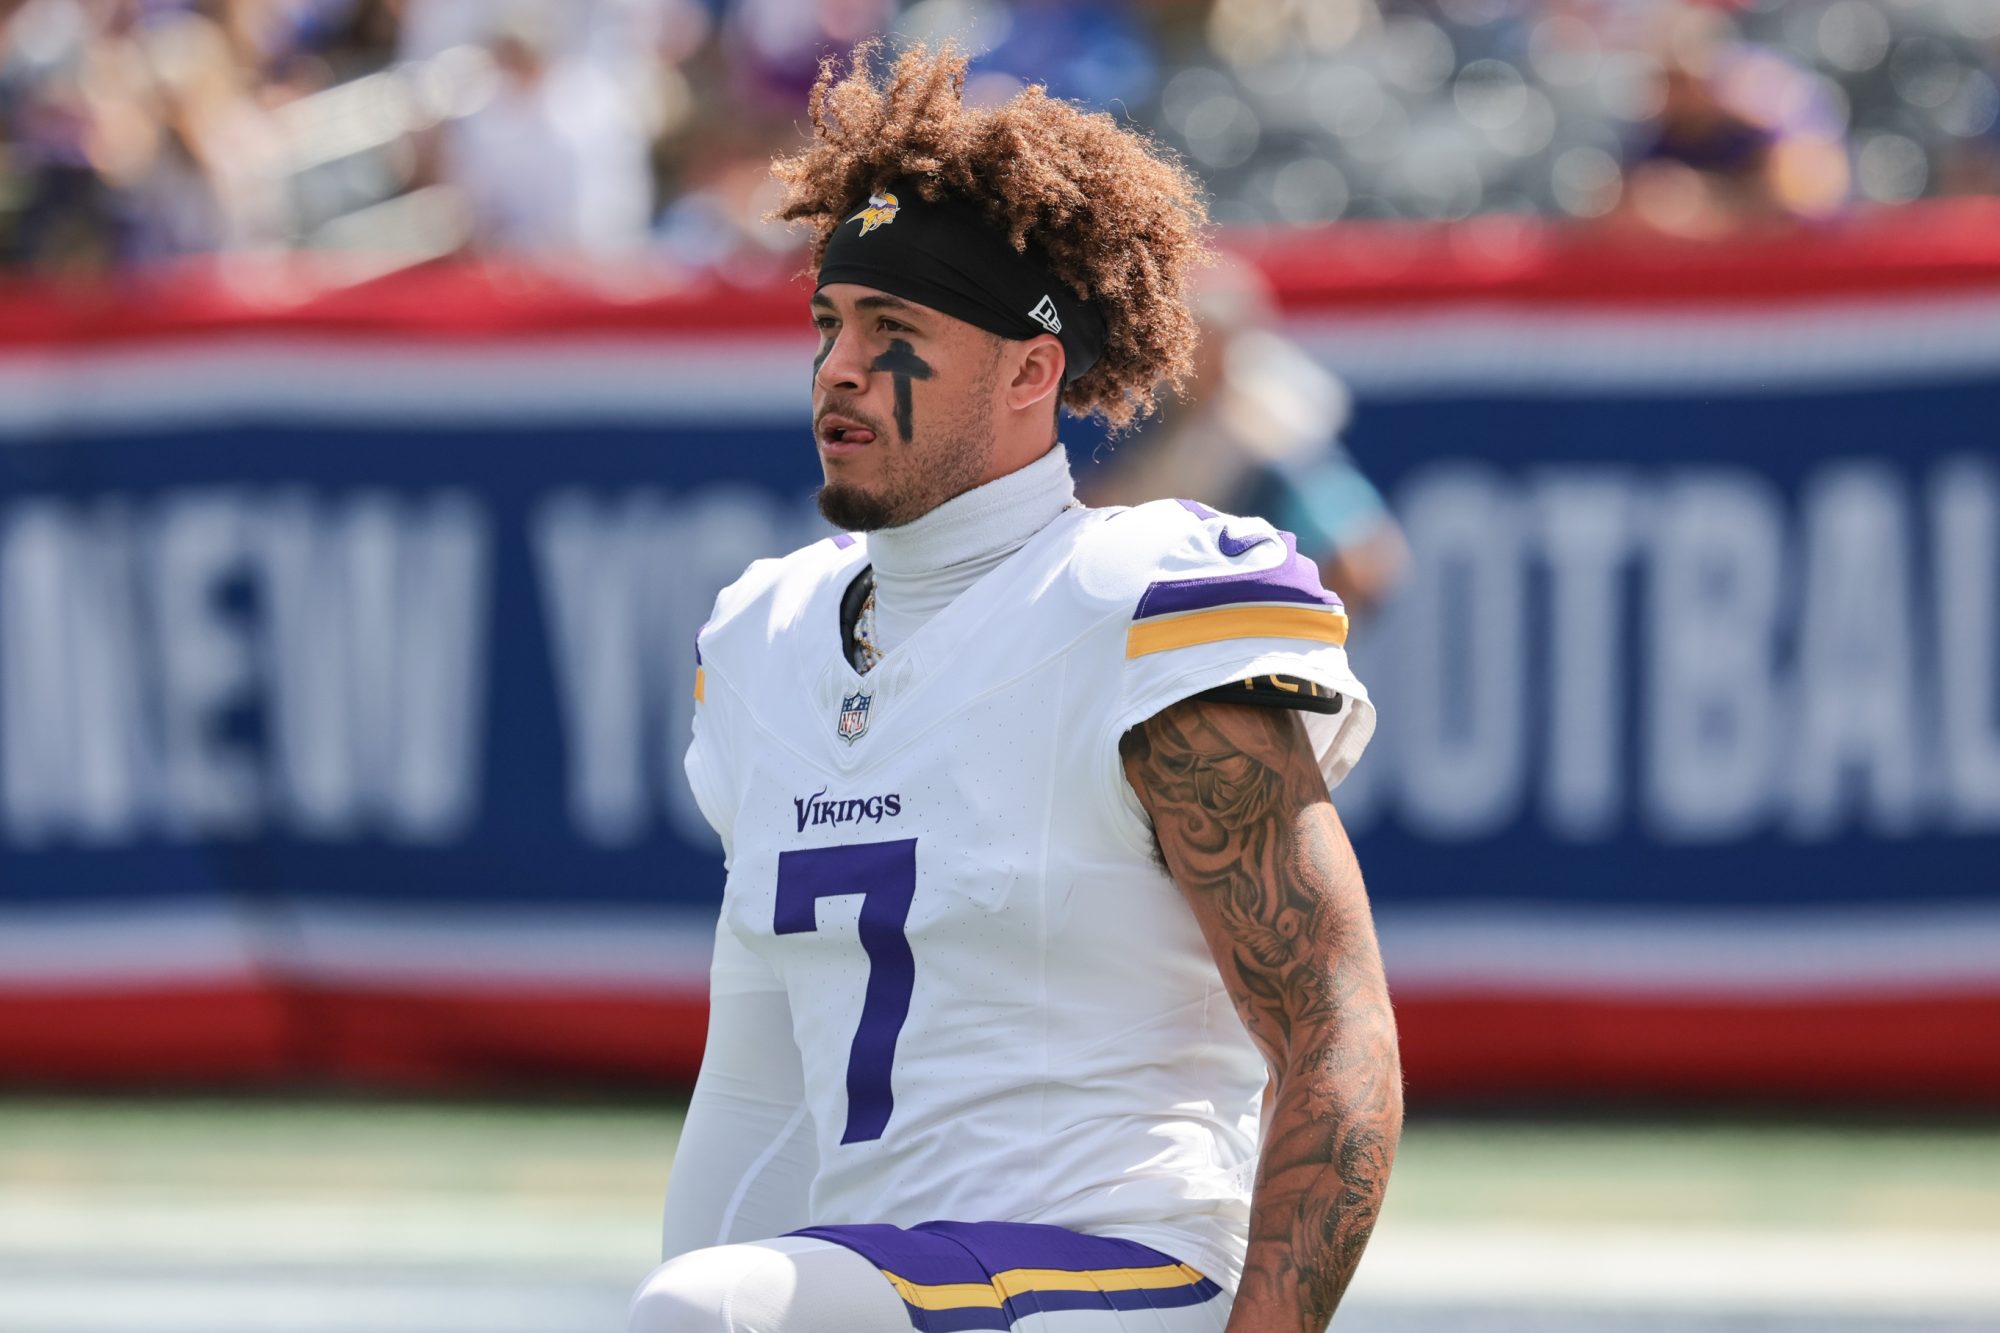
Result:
{"points": [[1242, 819]]}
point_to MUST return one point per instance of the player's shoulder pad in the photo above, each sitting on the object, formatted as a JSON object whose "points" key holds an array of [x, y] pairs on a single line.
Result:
{"points": [[771, 594], [1171, 558]]}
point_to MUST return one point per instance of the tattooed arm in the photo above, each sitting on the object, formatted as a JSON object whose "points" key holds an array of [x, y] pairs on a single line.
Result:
{"points": [[1243, 820]]}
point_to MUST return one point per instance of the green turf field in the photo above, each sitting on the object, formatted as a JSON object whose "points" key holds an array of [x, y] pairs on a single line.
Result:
{"points": [[356, 1217]]}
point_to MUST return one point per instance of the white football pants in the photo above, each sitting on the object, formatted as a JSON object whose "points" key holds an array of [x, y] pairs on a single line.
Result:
{"points": [[797, 1284]]}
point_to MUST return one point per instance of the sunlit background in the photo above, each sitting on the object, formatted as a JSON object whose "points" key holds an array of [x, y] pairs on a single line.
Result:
{"points": [[141, 130], [387, 387]]}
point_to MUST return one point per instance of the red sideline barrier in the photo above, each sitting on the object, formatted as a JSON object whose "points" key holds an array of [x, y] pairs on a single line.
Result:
{"points": [[466, 1038], [219, 1033], [1536, 1049], [1801, 1051], [472, 1039], [1940, 247], [1943, 247]]}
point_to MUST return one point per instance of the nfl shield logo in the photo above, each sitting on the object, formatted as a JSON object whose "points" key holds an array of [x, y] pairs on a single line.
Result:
{"points": [[854, 715]]}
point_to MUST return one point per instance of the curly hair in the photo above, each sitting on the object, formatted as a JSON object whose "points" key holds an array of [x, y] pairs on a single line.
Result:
{"points": [[1122, 223]]}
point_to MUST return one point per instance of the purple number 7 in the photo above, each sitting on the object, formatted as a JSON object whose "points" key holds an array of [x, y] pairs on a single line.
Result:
{"points": [[885, 875]]}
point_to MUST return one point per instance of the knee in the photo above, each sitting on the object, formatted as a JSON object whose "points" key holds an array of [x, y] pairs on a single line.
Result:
{"points": [[702, 1292], [677, 1298]]}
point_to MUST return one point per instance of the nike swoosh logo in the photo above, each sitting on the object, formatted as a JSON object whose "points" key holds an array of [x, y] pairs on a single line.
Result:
{"points": [[1235, 546]]}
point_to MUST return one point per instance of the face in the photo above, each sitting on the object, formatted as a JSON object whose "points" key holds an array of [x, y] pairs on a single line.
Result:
{"points": [[904, 406]]}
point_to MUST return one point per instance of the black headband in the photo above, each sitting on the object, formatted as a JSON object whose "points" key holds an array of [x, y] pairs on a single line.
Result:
{"points": [[945, 255]]}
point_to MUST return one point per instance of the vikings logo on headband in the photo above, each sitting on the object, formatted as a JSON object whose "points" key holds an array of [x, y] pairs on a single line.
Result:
{"points": [[945, 254], [881, 211]]}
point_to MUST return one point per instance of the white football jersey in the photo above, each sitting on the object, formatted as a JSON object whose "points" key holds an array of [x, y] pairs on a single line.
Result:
{"points": [[1004, 1007]]}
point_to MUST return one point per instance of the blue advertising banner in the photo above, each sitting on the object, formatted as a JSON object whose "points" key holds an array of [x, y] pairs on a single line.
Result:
{"points": [[346, 668]]}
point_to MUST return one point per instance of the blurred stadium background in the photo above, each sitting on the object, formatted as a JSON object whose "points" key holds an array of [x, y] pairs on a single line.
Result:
{"points": [[386, 386]]}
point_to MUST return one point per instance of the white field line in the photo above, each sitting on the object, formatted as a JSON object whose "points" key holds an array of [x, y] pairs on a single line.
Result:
{"points": [[532, 1238], [588, 1237], [666, 375], [205, 1303], [584, 949], [1846, 344], [1848, 952], [296, 378], [1713, 1271]]}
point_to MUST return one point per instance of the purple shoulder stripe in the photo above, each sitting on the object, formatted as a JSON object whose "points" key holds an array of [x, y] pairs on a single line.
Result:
{"points": [[1197, 508], [842, 540], [1293, 580]]}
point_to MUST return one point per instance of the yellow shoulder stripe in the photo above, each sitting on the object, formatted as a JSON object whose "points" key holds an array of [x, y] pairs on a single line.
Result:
{"points": [[700, 682], [1323, 624], [1017, 1281], [953, 1296]]}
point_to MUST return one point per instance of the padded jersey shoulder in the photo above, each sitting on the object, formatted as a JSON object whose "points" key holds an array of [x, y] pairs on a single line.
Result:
{"points": [[1189, 579], [1127, 558], [771, 595]]}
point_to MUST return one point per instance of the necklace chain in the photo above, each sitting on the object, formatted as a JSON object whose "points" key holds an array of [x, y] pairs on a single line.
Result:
{"points": [[866, 654]]}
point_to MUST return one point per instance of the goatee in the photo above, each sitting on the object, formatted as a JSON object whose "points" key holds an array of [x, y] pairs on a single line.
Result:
{"points": [[852, 509]]}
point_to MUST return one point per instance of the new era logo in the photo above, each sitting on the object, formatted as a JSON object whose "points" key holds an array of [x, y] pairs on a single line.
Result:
{"points": [[1045, 314]]}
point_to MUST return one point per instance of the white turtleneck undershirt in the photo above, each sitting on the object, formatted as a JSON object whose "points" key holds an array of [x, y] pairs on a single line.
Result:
{"points": [[923, 566]]}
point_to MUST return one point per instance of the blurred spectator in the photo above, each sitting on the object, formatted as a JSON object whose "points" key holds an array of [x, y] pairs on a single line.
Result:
{"points": [[134, 130], [774, 46], [625, 37], [1972, 166], [1093, 51], [1257, 432], [556, 161], [137, 132], [1742, 135], [63, 212], [354, 37]]}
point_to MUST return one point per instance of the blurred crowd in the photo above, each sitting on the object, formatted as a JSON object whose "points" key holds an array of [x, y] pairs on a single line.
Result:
{"points": [[389, 132]]}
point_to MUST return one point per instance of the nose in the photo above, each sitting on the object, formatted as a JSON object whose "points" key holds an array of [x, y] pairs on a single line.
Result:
{"points": [[842, 366]]}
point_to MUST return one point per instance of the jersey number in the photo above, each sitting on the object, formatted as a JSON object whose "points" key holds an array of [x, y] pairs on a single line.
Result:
{"points": [[885, 875]]}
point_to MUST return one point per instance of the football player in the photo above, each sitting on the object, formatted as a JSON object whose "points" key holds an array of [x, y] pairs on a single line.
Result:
{"points": [[1034, 887]]}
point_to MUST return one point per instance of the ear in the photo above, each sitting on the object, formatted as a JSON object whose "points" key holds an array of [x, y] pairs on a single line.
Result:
{"points": [[1038, 373]]}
